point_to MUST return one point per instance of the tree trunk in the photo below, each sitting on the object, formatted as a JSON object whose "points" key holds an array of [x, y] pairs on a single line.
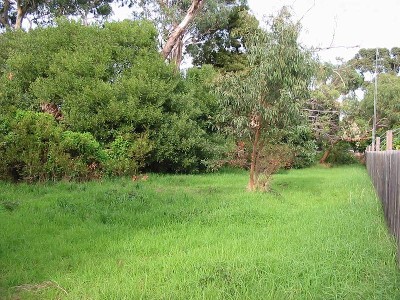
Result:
{"points": [[21, 11], [176, 52], [253, 165], [177, 34], [325, 156], [4, 13]]}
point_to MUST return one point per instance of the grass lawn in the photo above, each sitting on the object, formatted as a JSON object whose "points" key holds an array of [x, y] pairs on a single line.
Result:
{"points": [[319, 234]]}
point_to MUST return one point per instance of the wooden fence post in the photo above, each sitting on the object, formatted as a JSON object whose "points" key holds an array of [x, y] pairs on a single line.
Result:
{"points": [[378, 144], [389, 140]]}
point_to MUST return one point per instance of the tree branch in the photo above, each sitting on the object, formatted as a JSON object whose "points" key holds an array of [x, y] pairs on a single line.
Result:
{"points": [[4, 13], [179, 29]]}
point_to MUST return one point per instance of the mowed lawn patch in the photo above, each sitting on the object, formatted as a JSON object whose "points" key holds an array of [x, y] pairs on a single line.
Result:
{"points": [[319, 234]]}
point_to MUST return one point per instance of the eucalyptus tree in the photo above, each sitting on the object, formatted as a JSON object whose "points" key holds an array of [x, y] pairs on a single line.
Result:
{"points": [[181, 22], [264, 101], [333, 121], [224, 47], [13, 12], [388, 60], [388, 108]]}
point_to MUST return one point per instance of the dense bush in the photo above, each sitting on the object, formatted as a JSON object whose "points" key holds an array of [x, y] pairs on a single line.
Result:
{"points": [[33, 147], [342, 154], [126, 156], [121, 108], [30, 147], [303, 146]]}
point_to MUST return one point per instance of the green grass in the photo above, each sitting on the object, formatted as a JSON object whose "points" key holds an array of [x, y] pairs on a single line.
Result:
{"points": [[319, 234]]}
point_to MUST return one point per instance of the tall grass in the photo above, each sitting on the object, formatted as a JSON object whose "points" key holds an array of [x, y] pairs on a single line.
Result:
{"points": [[319, 234]]}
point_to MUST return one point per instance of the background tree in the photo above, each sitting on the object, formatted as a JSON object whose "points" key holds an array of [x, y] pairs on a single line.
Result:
{"points": [[388, 60], [333, 86], [224, 47], [264, 101], [180, 22], [388, 108], [12, 13]]}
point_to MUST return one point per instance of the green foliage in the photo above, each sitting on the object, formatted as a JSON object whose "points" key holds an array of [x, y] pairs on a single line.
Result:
{"points": [[81, 146], [114, 93], [388, 60], [208, 27], [181, 146], [396, 144], [86, 79], [127, 156], [187, 140], [43, 12], [225, 47], [342, 154], [34, 148], [303, 147], [264, 102], [388, 102], [28, 147]]}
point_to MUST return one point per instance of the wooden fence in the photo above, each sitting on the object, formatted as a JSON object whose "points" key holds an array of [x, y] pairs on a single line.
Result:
{"points": [[384, 169]]}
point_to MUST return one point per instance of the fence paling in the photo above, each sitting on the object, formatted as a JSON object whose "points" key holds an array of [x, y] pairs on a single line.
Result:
{"points": [[384, 170]]}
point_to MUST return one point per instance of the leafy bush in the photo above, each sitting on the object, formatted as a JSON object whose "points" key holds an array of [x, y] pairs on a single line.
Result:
{"points": [[341, 154], [127, 156], [303, 146], [28, 146], [82, 146], [181, 146], [34, 148], [118, 102]]}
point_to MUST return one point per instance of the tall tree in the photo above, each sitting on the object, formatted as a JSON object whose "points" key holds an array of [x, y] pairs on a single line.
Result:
{"points": [[180, 21], [12, 13], [224, 47], [324, 108], [388, 60], [388, 106], [266, 99]]}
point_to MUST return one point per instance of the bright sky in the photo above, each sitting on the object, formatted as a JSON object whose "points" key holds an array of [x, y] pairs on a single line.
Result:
{"points": [[364, 23]]}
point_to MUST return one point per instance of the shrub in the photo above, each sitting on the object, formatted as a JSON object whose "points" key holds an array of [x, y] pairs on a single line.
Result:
{"points": [[33, 147], [125, 156], [27, 144], [303, 146], [341, 154], [181, 146]]}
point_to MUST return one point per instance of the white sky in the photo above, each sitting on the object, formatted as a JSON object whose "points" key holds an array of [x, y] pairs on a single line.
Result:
{"points": [[364, 23], [335, 23]]}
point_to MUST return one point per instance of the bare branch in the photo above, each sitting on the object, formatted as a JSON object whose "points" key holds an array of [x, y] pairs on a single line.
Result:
{"points": [[308, 10], [317, 49], [337, 73], [334, 32]]}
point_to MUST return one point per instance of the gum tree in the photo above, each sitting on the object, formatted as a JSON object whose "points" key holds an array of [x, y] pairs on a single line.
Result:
{"points": [[264, 101], [183, 22]]}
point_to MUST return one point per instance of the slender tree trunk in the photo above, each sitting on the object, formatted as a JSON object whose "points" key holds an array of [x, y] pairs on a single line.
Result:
{"points": [[253, 165], [21, 11], [4, 13], [177, 51], [325, 156], [177, 34]]}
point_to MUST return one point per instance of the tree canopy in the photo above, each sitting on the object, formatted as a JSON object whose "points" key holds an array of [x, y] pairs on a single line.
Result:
{"points": [[264, 101], [12, 13], [388, 60]]}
